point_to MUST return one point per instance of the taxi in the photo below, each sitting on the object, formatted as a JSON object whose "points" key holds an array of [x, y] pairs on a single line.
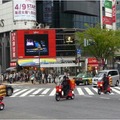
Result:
{"points": [[6, 90], [84, 78]]}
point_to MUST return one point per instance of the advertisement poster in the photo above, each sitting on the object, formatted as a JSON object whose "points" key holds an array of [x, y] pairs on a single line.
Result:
{"points": [[36, 44], [24, 10]]}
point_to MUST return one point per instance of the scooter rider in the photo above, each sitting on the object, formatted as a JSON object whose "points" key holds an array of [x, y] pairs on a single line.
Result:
{"points": [[65, 84], [105, 82]]}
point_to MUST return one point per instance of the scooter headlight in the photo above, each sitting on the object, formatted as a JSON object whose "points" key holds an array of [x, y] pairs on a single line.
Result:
{"points": [[101, 85], [60, 90]]}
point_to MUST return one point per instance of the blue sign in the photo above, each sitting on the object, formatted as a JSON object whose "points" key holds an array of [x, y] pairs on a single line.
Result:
{"points": [[78, 51]]}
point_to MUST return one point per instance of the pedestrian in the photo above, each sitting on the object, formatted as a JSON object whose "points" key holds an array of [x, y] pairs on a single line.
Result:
{"points": [[46, 77], [32, 78], [1, 79]]}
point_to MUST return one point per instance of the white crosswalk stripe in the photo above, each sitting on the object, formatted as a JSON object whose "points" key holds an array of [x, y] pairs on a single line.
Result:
{"points": [[80, 92], [113, 89], [45, 91], [26, 93], [51, 91], [36, 92], [19, 92], [89, 91]]}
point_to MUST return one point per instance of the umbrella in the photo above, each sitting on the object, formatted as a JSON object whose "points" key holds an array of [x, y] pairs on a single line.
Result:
{"points": [[11, 69]]}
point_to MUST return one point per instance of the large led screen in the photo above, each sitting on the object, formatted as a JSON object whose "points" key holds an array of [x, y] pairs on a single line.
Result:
{"points": [[35, 41]]}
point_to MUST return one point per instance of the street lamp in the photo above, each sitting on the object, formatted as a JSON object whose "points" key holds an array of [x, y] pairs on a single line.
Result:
{"points": [[39, 48]]}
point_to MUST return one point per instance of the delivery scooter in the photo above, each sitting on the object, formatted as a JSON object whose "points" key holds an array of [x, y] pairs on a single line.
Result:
{"points": [[1, 103]]}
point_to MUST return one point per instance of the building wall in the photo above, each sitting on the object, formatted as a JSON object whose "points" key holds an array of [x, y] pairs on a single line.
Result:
{"points": [[6, 13], [82, 7]]}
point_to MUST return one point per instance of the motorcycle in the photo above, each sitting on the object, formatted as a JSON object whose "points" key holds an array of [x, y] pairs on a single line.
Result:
{"points": [[101, 88], [1, 103], [60, 94]]}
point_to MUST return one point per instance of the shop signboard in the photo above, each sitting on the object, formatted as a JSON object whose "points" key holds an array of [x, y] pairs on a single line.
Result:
{"points": [[13, 46]]}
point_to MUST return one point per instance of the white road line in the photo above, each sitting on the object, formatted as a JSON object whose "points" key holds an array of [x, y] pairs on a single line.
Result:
{"points": [[89, 91], [16, 90], [80, 92], [37, 91], [95, 89], [53, 92], [45, 91], [26, 93], [113, 89], [19, 92], [107, 98], [117, 88]]}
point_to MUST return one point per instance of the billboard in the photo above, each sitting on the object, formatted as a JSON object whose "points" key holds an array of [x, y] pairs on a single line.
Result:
{"points": [[28, 42], [24, 10], [33, 42]]}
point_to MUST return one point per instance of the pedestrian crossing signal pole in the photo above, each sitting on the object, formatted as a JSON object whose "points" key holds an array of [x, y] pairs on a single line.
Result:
{"points": [[39, 48]]}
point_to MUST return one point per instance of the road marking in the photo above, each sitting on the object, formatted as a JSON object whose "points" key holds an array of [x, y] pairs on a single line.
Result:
{"points": [[89, 91], [26, 93], [53, 92], [113, 89], [105, 98], [16, 90], [80, 92], [45, 91], [36, 92], [117, 88], [95, 89], [19, 92]]}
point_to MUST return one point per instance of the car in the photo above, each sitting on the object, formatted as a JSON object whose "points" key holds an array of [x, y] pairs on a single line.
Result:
{"points": [[113, 73], [84, 78], [6, 90]]}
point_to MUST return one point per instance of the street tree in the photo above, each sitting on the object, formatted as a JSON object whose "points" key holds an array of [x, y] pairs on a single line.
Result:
{"points": [[100, 43]]}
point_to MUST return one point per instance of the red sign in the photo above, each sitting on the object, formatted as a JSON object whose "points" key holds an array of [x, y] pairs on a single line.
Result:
{"points": [[107, 20], [28, 39], [13, 46], [114, 13], [13, 64], [92, 61]]}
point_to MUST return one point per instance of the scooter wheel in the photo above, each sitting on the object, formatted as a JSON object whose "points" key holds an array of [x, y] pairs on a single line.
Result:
{"points": [[110, 91], [57, 97], [1, 106], [73, 96], [99, 92]]}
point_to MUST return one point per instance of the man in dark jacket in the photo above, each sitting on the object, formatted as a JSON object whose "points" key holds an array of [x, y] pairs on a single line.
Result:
{"points": [[106, 82], [65, 84]]}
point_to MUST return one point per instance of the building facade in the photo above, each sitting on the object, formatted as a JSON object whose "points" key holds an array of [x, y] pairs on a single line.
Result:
{"points": [[66, 17]]}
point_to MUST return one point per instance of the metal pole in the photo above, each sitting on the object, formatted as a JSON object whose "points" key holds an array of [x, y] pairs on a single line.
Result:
{"points": [[39, 65]]}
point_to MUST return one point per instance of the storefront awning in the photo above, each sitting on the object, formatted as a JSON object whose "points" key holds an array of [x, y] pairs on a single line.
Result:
{"points": [[46, 62]]}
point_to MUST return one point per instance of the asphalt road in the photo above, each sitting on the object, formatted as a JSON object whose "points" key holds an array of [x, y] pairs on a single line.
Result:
{"points": [[46, 107]]}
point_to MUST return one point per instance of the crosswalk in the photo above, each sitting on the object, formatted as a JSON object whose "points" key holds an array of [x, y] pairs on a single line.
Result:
{"points": [[32, 92]]}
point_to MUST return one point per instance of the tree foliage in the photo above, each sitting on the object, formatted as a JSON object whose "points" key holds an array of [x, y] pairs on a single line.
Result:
{"points": [[102, 43]]}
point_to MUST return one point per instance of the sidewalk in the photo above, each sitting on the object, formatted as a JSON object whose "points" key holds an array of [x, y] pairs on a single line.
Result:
{"points": [[29, 82]]}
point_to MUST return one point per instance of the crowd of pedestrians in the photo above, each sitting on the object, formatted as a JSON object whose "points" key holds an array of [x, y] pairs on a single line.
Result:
{"points": [[29, 76]]}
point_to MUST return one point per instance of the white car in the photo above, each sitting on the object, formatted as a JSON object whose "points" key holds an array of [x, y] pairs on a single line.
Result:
{"points": [[97, 78], [113, 73]]}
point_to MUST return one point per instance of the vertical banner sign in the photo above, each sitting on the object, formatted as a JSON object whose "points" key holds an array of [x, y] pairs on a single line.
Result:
{"points": [[107, 20], [24, 10], [114, 11], [13, 46], [108, 4], [47, 11]]}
